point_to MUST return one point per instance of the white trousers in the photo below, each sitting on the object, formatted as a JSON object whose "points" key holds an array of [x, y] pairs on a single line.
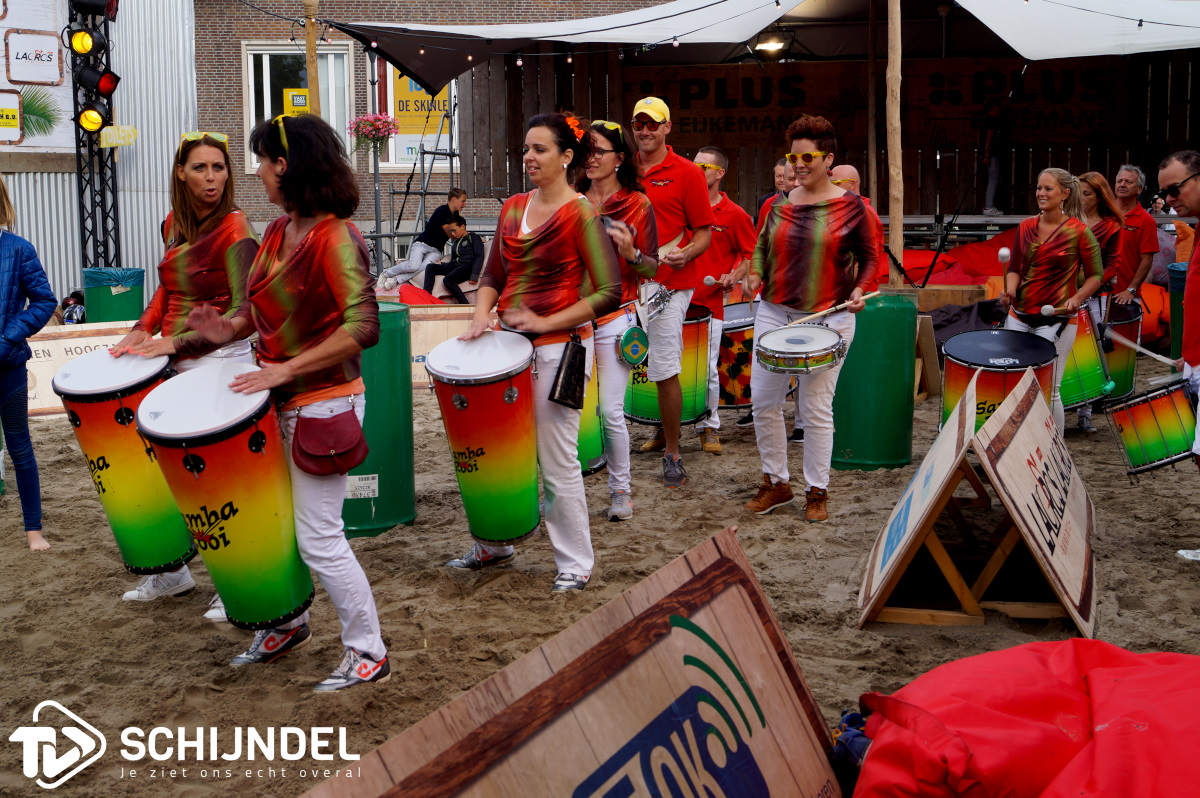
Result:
{"points": [[562, 481], [1062, 346], [813, 391], [713, 422], [320, 535], [420, 255], [236, 352], [613, 378]]}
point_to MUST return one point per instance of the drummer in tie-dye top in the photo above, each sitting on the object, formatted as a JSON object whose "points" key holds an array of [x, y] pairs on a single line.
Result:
{"points": [[1050, 252], [816, 249], [209, 247], [552, 269]]}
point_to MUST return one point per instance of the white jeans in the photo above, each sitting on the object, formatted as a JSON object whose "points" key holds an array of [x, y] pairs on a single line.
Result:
{"points": [[557, 448], [666, 338], [614, 378], [420, 255], [320, 535], [713, 422], [236, 352], [815, 393], [1062, 346]]}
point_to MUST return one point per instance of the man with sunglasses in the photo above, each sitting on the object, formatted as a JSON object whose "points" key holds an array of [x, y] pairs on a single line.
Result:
{"points": [[1139, 238], [678, 193]]}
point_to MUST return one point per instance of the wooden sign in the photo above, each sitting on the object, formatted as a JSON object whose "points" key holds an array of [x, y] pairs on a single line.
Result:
{"points": [[684, 685], [1033, 473], [118, 136], [56, 346]]}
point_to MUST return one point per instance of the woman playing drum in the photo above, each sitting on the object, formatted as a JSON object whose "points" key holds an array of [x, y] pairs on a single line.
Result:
{"points": [[611, 185], [312, 302], [1050, 251], [209, 249], [552, 270], [812, 241]]}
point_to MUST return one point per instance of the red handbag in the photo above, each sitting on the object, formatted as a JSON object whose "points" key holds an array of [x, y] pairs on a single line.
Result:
{"points": [[326, 446]]}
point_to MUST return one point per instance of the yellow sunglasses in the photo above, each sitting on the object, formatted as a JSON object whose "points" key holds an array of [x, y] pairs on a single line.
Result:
{"points": [[803, 157], [607, 124], [197, 135], [282, 130], [709, 167], [842, 180]]}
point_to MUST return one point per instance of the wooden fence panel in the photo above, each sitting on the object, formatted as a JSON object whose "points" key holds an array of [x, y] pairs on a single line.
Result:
{"points": [[466, 131], [483, 142], [498, 126], [581, 84], [513, 81]]}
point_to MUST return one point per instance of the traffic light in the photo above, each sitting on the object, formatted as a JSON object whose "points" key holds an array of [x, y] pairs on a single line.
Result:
{"points": [[94, 81], [85, 40]]}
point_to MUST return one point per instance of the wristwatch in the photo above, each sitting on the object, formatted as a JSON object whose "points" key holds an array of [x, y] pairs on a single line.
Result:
{"points": [[1132, 291], [636, 261]]}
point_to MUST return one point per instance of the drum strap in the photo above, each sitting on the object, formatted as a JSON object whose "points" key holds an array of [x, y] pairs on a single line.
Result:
{"points": [[1038, 320]]}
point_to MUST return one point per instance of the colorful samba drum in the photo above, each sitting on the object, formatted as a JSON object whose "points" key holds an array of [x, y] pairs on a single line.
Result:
{"points": [[485, 390], [800, 349], [1125, 320], [222, 454], [590, 451], [633, 346], [641, 395], [737, 354], [101, 394], [1155, 428], [1003, 356], [1084, 378]]}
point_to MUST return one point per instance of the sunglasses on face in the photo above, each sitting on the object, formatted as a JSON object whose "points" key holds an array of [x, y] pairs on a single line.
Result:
{"points": [[709, 167], [1173, 189], [648, 124], [805, 158], [607, 124]]}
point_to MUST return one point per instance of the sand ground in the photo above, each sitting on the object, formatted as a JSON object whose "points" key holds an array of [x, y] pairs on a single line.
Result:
{"points": [[66, 635]]}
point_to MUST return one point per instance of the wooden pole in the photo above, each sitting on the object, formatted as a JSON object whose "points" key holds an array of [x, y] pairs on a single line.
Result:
{"points": [[310, 56], [894, 153], [872, 121]]}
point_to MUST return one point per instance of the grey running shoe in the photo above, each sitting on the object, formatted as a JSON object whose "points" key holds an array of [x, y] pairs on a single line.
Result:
{"points": [[567, 582], [216, 611], [172, 583], [992, 212], [355, 669], [478, 557], [674, 474], [621, 508], [271, 644], [1085, 424]]}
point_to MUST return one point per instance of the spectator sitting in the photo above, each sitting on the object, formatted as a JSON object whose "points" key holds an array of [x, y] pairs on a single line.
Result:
{"points": [[466, 260], [427, 247]]}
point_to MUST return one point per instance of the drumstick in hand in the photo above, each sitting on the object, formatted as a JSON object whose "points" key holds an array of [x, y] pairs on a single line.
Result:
{"points": [[1050, 310], [1121, 339], [710, 280], [831, 310]]}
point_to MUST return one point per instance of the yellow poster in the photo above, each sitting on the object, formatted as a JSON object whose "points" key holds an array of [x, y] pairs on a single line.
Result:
{"points": [[411, 107], [295, 101]]}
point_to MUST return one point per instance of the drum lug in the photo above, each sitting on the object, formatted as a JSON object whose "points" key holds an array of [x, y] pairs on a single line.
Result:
{"points": [[460, 401], [510, 395], [194, 464]]}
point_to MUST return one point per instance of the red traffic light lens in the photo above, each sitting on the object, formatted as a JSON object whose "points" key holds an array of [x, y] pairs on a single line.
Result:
{"points": [[99, 80], [107, 84]]}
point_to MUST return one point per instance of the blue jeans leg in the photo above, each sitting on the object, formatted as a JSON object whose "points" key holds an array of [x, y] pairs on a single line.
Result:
{"points": [[14, 416]]}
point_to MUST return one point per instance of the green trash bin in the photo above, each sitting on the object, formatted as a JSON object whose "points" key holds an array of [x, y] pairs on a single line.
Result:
{"points": [[113, 294], [381, 492], [873, 406], [1177, 274]]}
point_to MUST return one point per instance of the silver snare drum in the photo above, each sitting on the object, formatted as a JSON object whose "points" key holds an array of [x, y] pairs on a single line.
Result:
{"points": [[800, 349]]}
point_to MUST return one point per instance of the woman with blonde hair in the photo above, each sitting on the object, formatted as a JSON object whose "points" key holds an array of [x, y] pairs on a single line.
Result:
{"points": [[1051, 250], [26, 304]]}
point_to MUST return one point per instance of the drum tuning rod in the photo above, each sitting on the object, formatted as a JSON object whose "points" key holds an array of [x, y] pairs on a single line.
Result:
{"points": [[831, 310], [1121, 339]]}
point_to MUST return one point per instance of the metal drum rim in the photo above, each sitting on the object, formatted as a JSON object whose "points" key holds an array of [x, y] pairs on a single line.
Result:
{"points": [[116, 393], [488, 380], [207, 439]]}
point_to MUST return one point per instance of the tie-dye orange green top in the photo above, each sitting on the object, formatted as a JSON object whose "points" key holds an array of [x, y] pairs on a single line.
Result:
{"points": [[811, 257], [633, 208], [1049, 271], [567, 258], [299, 299], [210, 271]]}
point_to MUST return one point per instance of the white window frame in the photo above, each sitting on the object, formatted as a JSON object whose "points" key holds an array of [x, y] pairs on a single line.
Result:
{"points": [[254, 47], [386, 164]]}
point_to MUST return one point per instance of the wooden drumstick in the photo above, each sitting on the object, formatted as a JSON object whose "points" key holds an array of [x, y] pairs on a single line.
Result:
{"points": [[1121, 339], [1050, 310], [831, 310]]}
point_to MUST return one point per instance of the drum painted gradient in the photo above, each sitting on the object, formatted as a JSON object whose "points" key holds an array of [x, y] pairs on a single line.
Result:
{"points": [[1083, 374], [145, 521], [641, 395], [991, 388], [494, 445], [1155, 428], [590, 451], [238, 508], [1122, 360]]}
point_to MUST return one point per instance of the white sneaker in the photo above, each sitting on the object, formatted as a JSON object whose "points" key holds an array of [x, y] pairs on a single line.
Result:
{"points": [[216, 611], [172, 583], [621, 508], [1189, 554]]}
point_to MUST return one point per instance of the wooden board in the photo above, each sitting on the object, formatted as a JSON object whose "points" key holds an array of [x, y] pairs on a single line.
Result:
{"points": [[684, 685], [53, 347], [1028, 464], [932, 297], [927, 351]]}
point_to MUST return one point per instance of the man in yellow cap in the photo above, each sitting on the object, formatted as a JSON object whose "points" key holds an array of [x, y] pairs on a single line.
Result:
{"points": [[678, 193]]}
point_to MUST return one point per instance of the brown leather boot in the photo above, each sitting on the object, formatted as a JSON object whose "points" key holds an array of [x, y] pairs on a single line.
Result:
{"points": [[814, 508], [770, 495]]}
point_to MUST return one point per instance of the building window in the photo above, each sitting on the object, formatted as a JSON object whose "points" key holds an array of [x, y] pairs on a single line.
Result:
{"points": [[271, 69]]}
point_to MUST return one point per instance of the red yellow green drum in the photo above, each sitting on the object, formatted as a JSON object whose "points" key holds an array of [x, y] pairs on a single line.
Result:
{"points": [[737, 355], [641, 395], [591, 431], [222, 454], [101, 395], [1155, 428], [1083, 378], [1126, 321], [1002, 357]]}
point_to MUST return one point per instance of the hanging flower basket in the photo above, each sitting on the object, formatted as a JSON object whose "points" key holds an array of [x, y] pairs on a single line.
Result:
{"points": [[372, 130]]}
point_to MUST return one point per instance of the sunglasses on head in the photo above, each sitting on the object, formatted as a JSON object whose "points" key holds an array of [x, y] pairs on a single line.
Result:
{"points": [[803, 157], [648, 124], [1173, 189], [282, 130], [607, 124], [709, 167], [197, 135], [842, 180]]}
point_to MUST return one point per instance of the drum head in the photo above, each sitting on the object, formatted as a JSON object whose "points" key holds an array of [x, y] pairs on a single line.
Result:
{"points": [[492, 356], [740, 315], [98, 372], [999, 349], [800, 339], [1121, 313], [199, 403], [695, 312]]}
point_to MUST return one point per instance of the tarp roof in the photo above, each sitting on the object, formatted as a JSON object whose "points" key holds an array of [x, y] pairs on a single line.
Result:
{"points": [[450, 50], [1040, 29]]}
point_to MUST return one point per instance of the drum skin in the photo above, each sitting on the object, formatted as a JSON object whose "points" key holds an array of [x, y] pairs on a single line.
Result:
{"points": [[1154, 429], [1003, 356], [590, 451], [150, 532], [641, 395]]}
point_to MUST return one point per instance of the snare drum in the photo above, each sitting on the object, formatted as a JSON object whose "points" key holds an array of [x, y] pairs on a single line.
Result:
{"points": [[1003, 356], [800, 349], [1155, 428], [1125, 320], [641, 395], [485, 390], [1083, 374], [101, 394], [590, 451], [737, 353], [222, 454]]}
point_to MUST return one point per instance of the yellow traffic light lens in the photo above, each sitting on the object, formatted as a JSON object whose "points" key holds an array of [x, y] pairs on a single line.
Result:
{"points": [[91, 120], [82, 42]]}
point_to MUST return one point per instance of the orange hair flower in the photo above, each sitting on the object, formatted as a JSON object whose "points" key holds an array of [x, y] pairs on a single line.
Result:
{"points": [[575, 126]]}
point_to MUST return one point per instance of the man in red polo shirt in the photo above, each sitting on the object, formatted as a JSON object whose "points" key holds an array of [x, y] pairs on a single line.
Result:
{"points": [[1139, 241], [1179, 181], [732, 245], [679, 195]]}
